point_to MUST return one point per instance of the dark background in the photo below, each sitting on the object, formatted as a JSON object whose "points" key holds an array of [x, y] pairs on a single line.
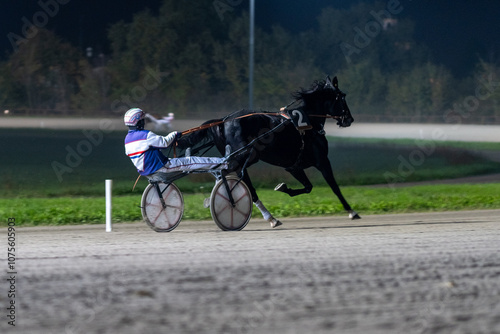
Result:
{"points": [[458, 32]]}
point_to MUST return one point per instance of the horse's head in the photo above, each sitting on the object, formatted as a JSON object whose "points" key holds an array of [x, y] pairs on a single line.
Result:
{"points": [[336, 104], [326, 99]]}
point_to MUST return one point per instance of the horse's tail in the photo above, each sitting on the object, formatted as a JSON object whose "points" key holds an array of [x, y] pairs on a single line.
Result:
{"points": [[201, 135]]}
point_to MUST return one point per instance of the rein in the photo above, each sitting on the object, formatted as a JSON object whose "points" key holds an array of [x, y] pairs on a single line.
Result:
{"points": [[201, 127], [326, 116], [209, 125]]}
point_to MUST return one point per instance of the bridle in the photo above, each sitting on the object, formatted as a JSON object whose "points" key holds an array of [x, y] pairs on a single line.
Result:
{"points": [[339, 98]]}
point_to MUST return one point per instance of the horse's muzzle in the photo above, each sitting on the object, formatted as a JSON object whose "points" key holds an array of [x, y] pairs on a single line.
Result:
{"points": [[345, 122]]}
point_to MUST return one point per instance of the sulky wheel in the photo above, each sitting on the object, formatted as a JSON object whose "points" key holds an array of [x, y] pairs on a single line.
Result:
{"points": [[224, 214], [159, 217]]}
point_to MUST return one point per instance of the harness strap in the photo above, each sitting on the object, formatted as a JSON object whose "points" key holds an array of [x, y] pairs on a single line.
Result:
{"points": [[299, 156]]}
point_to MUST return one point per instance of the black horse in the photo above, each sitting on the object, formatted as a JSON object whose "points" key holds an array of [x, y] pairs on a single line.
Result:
{"points": [[293, 139]]}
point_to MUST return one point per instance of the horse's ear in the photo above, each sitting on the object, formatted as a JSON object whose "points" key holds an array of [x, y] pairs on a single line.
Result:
{"points": [[335, 82], [328, 83]]}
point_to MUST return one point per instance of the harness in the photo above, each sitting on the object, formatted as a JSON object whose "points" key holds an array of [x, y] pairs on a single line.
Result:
{"points": [[296, 116]]}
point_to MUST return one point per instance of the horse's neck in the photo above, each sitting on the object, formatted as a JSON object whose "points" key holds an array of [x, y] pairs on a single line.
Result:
{"points": [[316, 116]]}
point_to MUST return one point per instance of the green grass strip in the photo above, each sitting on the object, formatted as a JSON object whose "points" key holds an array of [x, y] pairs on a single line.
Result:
{"points": [[321, 202]]}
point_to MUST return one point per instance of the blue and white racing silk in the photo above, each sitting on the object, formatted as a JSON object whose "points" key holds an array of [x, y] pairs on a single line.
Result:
{"points": [[143, 147]]}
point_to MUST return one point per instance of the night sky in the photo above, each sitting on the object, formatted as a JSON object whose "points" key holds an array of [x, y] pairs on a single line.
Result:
{"points": [[456, 31]]}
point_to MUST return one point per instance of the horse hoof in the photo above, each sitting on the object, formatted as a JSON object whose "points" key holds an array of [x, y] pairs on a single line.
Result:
{"points": [[281, 187], [354, 216], [274, 222]]}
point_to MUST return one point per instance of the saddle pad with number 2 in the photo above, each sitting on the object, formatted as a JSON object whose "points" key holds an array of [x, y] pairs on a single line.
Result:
{"points": [[300, 119]]}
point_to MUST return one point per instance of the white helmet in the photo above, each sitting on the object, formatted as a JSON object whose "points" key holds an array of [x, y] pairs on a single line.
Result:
{"points": [[133, 116]]}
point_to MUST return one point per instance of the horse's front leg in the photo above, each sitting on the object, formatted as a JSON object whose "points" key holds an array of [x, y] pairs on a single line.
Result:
{"points": [[255, 198], [301, 176], [326, 170]]}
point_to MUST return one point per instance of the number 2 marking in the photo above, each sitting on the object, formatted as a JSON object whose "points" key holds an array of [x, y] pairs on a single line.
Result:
{"points": [[300, 121]]}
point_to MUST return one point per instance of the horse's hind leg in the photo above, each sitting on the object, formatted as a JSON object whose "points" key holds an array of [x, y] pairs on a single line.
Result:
{"points": [[301, 176], [255, 198]]}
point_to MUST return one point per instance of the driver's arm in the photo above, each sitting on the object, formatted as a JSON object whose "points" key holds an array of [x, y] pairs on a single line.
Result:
{"points": [[155, 140]]}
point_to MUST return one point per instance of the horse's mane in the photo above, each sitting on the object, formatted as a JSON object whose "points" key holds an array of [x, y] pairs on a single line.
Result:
{"points": [[304, 94]]}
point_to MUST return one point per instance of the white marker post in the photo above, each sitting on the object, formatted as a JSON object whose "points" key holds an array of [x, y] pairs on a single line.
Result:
{"points": [[109, 186]]}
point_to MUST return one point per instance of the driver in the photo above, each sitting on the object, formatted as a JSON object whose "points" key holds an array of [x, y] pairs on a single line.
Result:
{"points": [[144, 147]]}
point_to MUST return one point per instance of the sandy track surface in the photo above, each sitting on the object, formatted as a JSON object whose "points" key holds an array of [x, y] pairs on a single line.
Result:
{"points": [[408, 273], [435, 132]]}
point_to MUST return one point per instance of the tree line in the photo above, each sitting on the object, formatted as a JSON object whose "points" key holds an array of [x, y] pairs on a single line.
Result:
{"points": [[185, 58]]}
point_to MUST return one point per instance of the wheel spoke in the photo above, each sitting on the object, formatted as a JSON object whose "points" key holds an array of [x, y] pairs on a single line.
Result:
{"points": [[224, 208], [232, 217], [243, 213], [239, 199], [224, 197]]}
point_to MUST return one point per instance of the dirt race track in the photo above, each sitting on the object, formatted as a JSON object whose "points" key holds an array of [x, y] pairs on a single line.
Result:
{"points": [[408, 273]]}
